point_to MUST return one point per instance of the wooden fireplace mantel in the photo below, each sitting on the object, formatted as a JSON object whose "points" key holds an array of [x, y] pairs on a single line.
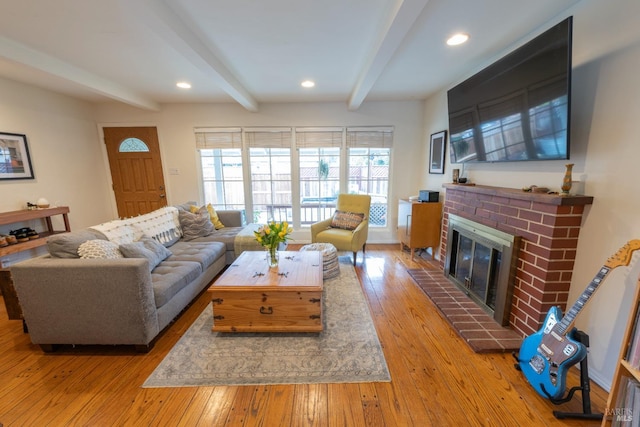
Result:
{"points": [[519, 194]]}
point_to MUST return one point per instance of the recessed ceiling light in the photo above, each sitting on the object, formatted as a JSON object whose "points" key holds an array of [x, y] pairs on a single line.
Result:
{"points": [[457, 39], [183, 85], [308, 83]]}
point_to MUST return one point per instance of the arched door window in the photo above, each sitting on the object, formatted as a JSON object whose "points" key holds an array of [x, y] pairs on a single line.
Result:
{"points": [[133, 145]]}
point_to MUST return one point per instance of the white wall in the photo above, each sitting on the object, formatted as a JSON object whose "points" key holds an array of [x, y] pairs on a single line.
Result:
{"points": [[62, 138], [436, 119], [605, 147], [176, 123]]}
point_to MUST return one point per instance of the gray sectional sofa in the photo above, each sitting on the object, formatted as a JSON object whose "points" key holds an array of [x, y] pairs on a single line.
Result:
{"points": [[107, 300]]}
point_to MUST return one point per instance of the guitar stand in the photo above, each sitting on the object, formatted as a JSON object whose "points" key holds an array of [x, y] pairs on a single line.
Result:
{"points": [[584, 387]]}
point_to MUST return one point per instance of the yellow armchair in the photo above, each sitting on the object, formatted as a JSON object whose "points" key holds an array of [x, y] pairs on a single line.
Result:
{"points": [[345, 240]]}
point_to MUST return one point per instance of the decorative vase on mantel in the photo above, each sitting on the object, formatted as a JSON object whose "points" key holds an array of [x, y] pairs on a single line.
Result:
{"points": [[566, 181], [272, 256]]}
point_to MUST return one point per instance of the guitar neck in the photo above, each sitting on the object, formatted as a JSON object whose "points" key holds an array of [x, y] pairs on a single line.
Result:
{"points": [[570, 316]]}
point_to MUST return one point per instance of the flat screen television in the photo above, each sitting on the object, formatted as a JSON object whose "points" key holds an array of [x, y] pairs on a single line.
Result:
{"points": [[517, 108]]}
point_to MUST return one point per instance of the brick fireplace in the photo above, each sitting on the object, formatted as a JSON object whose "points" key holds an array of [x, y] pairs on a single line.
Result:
{"points": [[548, 225]]}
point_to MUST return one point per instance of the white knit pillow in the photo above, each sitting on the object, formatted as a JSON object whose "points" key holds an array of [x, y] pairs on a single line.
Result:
{"points": [[103, 249]]}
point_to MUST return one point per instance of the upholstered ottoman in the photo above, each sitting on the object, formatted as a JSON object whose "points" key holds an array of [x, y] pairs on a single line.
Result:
{"points": [[330, 265]]}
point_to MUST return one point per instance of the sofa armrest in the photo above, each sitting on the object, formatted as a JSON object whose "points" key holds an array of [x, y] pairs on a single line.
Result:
{"points": [[360, 235], [87, 301], [318, 227], [232, 218]]}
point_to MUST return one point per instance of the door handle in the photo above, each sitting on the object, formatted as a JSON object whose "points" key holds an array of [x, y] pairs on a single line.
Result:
{"points": [[162, 196]]}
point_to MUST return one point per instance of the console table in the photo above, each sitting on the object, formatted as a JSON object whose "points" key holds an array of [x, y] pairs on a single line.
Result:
{"points": [[11, 303]]}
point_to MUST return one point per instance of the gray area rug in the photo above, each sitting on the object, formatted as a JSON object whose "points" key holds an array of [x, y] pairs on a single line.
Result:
{"points": [[347, 351]]}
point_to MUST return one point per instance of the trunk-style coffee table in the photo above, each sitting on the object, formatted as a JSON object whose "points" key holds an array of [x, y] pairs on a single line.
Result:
{"points": [[251, 297]]}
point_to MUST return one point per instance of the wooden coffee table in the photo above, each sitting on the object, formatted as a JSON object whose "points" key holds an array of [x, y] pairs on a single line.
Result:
{"points": [[251, 297]]}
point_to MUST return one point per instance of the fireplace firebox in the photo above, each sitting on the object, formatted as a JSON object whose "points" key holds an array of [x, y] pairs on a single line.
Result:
{"points": [[481, 261]]}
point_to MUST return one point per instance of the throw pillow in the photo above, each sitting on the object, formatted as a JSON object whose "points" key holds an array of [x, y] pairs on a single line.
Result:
{"points": [[65, 245], [186, 206], [346, 220], [195, 225], [214, 217], [147, 248], [99, 249], [215, 220]]}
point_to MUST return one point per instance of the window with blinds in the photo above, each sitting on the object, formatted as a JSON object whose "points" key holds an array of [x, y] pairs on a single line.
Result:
{"points": [[270, 173], [222, 167], [368, 162], [318, 152], [255, 169]]}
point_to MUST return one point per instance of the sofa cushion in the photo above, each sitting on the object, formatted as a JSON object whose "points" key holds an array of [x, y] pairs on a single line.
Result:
{"points": [[170, 277], [147, 248], [65, 245], [195, 224], [99, 249], [204, 253], [226, 235], [346, 220]]}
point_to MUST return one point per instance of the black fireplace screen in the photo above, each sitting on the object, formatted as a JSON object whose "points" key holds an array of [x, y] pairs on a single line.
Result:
{"points": [[481, 262], [475, 268]]}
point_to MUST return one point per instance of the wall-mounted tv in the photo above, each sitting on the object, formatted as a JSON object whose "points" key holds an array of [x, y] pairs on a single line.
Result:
{"points": [[518, 108]]}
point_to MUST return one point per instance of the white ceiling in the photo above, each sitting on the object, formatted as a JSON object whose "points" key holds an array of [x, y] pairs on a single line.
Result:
{"points": [[258, 51]]}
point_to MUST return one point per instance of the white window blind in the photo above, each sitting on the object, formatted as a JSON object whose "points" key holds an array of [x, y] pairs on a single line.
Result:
{"points": [[208, 138], [372, 137], [268, 137], [318, 137]]}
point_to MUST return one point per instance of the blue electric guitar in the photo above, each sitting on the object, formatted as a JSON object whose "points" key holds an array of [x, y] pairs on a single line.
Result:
{"points": [[546, 355]]}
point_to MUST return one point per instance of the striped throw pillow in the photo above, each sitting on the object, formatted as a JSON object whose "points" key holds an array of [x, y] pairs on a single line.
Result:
{"points": [[346, 220], [195, 225]]}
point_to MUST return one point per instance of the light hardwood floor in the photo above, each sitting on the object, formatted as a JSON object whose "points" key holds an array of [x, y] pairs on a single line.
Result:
{"points": [[436, 379]]}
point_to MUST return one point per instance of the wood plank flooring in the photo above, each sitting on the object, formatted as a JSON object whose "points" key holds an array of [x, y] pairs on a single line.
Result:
{"points": [[437, 380]]}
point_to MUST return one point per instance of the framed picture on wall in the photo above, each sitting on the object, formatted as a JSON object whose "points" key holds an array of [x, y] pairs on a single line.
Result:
{"points": [[436, 153], [15, 162]]}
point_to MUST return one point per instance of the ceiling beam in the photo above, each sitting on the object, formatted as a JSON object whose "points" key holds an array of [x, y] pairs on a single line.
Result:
{"points": [[393, 31], [25, 55], [174, 26]]}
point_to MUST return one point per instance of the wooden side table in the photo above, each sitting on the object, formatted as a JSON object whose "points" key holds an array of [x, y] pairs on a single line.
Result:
{"points": [[11, 303]]}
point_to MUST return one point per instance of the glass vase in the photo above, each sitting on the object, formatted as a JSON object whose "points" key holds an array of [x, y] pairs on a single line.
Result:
{"points": [[272, 257]]}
